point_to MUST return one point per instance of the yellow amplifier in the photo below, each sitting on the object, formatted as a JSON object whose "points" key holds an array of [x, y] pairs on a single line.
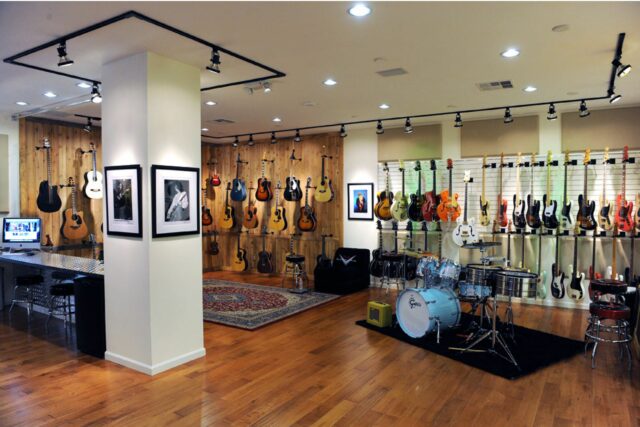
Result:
{"points": [[379, 314]]}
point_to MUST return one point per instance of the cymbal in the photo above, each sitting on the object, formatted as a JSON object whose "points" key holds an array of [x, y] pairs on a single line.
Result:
{"points": [[481, 245]]}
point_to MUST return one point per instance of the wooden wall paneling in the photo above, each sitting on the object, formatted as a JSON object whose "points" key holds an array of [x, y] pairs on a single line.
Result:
{"points": [[329, 214]]}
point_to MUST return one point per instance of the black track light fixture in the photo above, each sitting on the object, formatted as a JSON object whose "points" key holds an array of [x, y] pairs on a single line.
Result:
{"points": [[266, 87], [297, 138], [343, 131], [96, 96], [89, 126], [458, 122], [63, 59], [236, 142], [508, 118], [251, 142], [214, 65], [379, 128], [584, 111], [623, 69], [407, 126], [551, 113], [273, 138], [613, 98]]}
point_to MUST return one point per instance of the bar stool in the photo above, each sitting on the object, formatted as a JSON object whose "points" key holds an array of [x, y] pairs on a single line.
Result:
{"points": [[25, 285], [393, 270], [615, 331], [295, 267], [60, 301]]}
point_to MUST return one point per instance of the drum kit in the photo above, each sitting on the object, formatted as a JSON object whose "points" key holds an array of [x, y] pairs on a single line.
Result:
{"points": [[435, 306]]}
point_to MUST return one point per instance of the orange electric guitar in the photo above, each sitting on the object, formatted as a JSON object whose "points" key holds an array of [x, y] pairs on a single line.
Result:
{"points": [[624, 208], [449, 209]]}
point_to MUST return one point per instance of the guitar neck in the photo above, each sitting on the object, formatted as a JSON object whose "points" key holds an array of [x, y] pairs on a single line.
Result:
{"points": [[564, 196], [548, 184], [450, 181], [48, 155], [483, 177], [73, 200], [465, 202], [93, 154]]}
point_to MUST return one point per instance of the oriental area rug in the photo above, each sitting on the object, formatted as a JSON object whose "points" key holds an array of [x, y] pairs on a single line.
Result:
{"points": [[249, 306]]}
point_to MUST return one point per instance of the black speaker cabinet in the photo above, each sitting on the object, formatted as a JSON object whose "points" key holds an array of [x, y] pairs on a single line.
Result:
{"points": [[90, 323]]}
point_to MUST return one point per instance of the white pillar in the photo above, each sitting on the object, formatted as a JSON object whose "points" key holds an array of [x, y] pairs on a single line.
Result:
{"points": [[153, 287]]}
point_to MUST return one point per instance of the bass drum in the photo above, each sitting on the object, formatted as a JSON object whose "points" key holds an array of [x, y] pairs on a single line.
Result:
{"points": [[418, 310]]}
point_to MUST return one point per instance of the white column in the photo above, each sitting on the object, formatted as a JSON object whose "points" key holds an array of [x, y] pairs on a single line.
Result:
{"points": [[153, 287], [450, 141]]}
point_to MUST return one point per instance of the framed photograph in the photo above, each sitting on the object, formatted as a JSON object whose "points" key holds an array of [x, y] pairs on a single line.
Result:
{"points": [[360, 201], [175, 196], [123, 196]]}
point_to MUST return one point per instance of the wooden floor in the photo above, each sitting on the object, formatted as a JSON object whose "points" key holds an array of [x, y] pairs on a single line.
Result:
{"points": [[315, 368]]}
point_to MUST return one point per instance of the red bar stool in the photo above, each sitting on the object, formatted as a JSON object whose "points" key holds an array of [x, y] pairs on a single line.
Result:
{"points": [[608, 323]]}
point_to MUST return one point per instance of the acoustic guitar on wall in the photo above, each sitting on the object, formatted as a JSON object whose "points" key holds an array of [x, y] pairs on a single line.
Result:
{"points": [[228, 220], [382, 209], [250, 217], [278, 217], [93, 179], [307, 221], [73, 225], [263, 190], [48, 199], [265, 263], [238, 187], [292, 191], [207, 219], [239, 259], [324, 192]]}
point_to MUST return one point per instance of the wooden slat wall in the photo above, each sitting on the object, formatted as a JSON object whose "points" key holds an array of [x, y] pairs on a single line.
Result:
{"points": [[329, 214], [66, 160]]}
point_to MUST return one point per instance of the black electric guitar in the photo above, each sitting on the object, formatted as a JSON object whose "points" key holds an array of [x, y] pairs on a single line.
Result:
{"points": [[214, 247], [292, 191], [375, 267], [533, 205], [557, 284], [415, 207], [48, 199], [576, 290], [586, 207], [265, 264], [518, 215], [549, 218]]}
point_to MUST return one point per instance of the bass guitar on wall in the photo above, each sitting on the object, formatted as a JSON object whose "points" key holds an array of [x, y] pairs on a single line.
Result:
{"points": [[449, 209], [624, 208], [549, 217], [576, 289], [533, 205], [382, 209], [566, 224], [400, 201], [484, 203], [48, 199], [502, 219], [518, 215], [586, 207], [557, 285], [604, 215]]}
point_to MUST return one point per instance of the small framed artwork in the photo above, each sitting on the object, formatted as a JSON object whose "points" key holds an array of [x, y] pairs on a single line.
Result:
{"points": [[174, 201], [360, 201], [123, 198]]}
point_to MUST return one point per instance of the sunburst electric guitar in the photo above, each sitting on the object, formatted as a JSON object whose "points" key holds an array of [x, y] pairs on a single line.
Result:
{"points": [[586, 207]]}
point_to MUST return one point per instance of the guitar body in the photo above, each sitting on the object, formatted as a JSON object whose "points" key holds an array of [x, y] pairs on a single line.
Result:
{"points": [[382, 209], [250, 218], [585, 218], [324, 191], [519, 220], [465, 233], [624, 214], [292, 192], [323, 263], [93, 185], [565, 217], [415, 208], [604, 216], [214, 248], [207, 219], [400, 206], [73, 226], [210, 193], [533, 212], [638, 212], [228, 220], [448, 209], [484, 212], [376, 264], [265, 263], [215, 180], [264, 192], [576, 291], [278, 219], [541, 289], [238, 190], [307, 220], [549, 218], [503, 218], [46, 204], [557, 285], [430, 206], [239, 261]]}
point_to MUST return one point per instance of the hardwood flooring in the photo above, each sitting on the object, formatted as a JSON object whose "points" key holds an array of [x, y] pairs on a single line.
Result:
{"points": [[315, 368]]}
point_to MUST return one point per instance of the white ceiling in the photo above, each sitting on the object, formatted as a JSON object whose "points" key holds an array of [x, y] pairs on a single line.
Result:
{"points": [[446, 47]]}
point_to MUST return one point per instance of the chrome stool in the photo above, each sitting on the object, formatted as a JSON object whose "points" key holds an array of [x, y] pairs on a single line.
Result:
{"points": [[295, 267], [615, 332], [26, 285], [60, 301], [393, 271]]}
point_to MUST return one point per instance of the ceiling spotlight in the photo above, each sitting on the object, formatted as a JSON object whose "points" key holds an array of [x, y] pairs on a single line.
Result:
{"points": [[614, 98], [251, 142], [330, 82], [359, 10], [343, 132], [297, 138], [84, 85], [273, 138], [379, 128], [88, 127], [530, 89], [407, 126], [211, 103], [63, 60], [266, 87], [276, 120], [551, 113], [584, 111], [50, 94], [96, 96], [21, 103], [236, 141], [623, 70], [458, 122], [510, 53], [383, 106], [214, 65], [508, 118], [205, 129]]}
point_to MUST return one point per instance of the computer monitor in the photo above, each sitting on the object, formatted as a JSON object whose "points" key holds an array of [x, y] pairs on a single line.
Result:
{"points": [[21, 233]]}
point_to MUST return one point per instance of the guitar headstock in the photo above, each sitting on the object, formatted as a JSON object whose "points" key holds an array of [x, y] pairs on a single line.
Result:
{"points": [[625, 154], [308, 182], [385, 168], [293, 154], [417, 168], [549, 157], [533, 159], [467, 176], [70, 182], [228, 186], [484, 161], [566, 158], [401, 168], [605, 156], [519, 160], [46, 143], [433, 164], [449, 164], [278, 186], [501, 160], [92, 147], [587, 156], [379, 225]]}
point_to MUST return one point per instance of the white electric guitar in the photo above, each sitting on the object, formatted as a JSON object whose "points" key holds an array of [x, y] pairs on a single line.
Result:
{"points": [[93, 178], [465, 231]]}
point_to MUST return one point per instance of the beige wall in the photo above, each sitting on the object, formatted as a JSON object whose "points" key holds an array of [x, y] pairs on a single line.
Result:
{"points": [[4, 174], [492, 137], [613, 128], [424, 143]]}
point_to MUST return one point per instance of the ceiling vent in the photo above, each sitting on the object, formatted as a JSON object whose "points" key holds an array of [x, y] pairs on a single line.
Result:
{"points": [[503, 84], [392, 72], [221, 121]]}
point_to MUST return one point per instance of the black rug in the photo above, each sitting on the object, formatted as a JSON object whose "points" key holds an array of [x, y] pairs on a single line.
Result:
{"points": [[532, 349]]}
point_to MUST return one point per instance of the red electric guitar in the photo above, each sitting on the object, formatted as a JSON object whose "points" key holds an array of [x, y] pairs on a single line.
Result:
{"points": [[624, 208]]}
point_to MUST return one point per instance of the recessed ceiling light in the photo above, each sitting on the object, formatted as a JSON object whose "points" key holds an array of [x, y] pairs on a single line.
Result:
{"points": [[330, 82], [510, 53], [383, 106], [50, 94], [530, 89], [21, 103], [309, 104], [359, 10], [205, 130], [277, 119], [211, 103], [84, 85]]}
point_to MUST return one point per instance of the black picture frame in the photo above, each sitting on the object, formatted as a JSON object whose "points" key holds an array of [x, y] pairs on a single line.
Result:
{"points": [[351, 208], [159, 227], [135, 224]]}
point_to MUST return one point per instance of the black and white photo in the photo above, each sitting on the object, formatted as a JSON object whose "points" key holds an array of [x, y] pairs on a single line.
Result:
{"points": [[174, 192], [124, 200], [176, 200]]}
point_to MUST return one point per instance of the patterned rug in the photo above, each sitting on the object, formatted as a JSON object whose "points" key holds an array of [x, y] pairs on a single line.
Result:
{"points": [[251, 306]]}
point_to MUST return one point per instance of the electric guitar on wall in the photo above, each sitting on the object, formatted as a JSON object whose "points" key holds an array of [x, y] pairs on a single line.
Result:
{"points": [[73, 225], [214, 180], [604, 215], [484, 203], [214, 247], [549, 217], [93, 178], [587, 207], [238, 187], [465, 231], [415, 207], [431, 199], [533, 205], [228, 220], [263, 191], [400, 201], [638, 211], [502, 219], [324, 191], [449, 209], [612, 270], [382, 209], [576, 290], [518, 215], [307, 221], [565, 214], [239, 260], [292, 191], [278, 218], [48, 199], [265, 263], [557, 285], [624, 208], [207, 219], [250, 217]]}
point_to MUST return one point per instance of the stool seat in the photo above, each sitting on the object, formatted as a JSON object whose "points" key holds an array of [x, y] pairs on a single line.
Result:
{"points": [[29, 280], [609, 310], [61, 289], [296, 259], [62, 275]]}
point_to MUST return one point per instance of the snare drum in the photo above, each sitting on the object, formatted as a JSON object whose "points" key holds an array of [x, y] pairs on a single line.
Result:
{"points": [[420, 310], [516, 283], [479, 274], [470, 290], [449, 272]]}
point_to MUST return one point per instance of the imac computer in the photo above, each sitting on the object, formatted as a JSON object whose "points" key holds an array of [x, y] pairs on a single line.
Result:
{"points": [[21, 233]]}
